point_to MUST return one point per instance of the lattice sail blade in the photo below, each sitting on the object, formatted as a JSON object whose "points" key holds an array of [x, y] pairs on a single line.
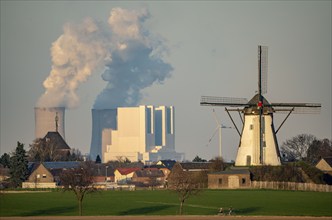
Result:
{"points": [[297, 108], [223, 101], [262, 68]]}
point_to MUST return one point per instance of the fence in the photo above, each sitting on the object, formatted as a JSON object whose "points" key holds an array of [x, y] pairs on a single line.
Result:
{"points": [[291, 186], [38, 185]]}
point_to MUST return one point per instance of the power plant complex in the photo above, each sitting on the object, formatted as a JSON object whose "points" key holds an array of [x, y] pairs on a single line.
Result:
{"points": [[143, 133]]}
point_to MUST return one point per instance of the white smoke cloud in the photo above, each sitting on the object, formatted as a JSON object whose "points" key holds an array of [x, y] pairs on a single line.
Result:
{"points": [[127, 52]]}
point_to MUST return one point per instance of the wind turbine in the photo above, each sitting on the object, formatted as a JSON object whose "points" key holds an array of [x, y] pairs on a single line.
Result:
{"points": [[218, 128]]}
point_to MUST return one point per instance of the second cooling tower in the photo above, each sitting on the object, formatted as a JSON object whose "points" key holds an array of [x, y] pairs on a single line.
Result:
{"points": [[101, 119], [49, 119]]}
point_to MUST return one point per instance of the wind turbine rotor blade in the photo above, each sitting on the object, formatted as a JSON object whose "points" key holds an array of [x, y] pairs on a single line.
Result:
{"points": [[223, 101], [214, 133], [216, 118]]}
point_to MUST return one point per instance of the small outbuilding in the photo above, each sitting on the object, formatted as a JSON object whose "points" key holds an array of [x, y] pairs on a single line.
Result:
{"points": [[229, 179]]}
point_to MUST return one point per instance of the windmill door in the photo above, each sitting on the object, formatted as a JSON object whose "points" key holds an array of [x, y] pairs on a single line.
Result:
{"points": [[248, 160]]}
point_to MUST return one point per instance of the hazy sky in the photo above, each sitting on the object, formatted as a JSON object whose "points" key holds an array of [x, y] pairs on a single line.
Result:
{"points": [[212, 47]]}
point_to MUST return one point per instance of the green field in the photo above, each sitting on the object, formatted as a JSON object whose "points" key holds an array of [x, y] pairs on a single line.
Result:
{"points": [[145, 202]]}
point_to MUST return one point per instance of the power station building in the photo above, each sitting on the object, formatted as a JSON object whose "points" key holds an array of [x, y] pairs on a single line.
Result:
{"points": [[145, 133]]}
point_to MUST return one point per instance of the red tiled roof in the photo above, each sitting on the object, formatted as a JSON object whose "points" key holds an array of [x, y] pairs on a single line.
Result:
{"points": [[126, 171]]}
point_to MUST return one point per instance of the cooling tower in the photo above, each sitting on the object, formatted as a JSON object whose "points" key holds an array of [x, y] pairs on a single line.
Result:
{"points": [[49, 119], [101, 119]]}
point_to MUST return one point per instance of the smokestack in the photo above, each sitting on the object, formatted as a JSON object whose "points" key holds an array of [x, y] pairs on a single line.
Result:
{"points": [[102, 119], [49, 119]]}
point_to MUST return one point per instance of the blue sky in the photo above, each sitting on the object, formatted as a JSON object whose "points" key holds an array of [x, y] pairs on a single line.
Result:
{"points": [[212, 47]]}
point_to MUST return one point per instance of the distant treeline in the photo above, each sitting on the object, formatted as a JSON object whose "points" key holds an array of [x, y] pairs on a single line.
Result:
{"points": [[291, 172]]}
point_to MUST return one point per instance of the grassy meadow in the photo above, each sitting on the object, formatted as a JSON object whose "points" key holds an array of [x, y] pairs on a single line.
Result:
{"points": [[161, 202]]}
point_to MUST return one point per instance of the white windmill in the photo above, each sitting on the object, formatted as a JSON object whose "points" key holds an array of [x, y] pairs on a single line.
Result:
{"points": [[218, 128]]}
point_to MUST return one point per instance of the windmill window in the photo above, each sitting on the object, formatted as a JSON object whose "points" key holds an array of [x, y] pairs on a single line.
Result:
{"points": [[243, 180], [38, 175], [44, 175], [251, 127], [220, 181]]}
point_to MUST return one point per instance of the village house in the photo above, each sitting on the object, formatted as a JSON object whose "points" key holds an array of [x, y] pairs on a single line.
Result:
{"points": [[124, 175], [47, 174], [164, 169], [41, 177], [229, 179], [148, 177]]}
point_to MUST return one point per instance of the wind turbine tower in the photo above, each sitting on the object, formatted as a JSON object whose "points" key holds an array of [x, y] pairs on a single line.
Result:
{"points": [[219, 128]]}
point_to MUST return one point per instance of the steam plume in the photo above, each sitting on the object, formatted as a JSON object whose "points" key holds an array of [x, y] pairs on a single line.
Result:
{"points": [[127, 53]]}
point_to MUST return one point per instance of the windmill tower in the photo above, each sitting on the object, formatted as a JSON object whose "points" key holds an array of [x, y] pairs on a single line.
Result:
{"points": [[258, 140]]}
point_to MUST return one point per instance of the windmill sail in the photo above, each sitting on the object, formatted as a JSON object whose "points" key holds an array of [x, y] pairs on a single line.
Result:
{"points": [[262, 67], [223, 101]]}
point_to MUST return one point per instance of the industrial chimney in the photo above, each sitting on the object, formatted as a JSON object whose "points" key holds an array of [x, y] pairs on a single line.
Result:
{"points": [[49, 119]]}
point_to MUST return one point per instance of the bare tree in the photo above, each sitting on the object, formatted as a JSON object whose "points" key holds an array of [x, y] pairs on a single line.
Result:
{"points": [[184, 183], [78, 180], [37, 150], [123, 160], [217, 164], [44, 150], [319, 149], [296, 148]]}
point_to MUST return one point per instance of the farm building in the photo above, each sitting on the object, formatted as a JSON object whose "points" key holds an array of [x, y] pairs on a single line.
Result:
{"points": [[230, 179]]}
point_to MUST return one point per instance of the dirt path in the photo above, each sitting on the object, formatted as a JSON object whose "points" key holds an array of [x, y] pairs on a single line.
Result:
{"points": [[185, 217]]}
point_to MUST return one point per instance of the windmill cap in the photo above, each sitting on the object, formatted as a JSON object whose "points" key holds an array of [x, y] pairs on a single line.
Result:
{"points": [[255, 100], [255, 104]]}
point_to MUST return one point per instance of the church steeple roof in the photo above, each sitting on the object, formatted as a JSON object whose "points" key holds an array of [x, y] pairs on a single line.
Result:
{"points": [[57, 139]]}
